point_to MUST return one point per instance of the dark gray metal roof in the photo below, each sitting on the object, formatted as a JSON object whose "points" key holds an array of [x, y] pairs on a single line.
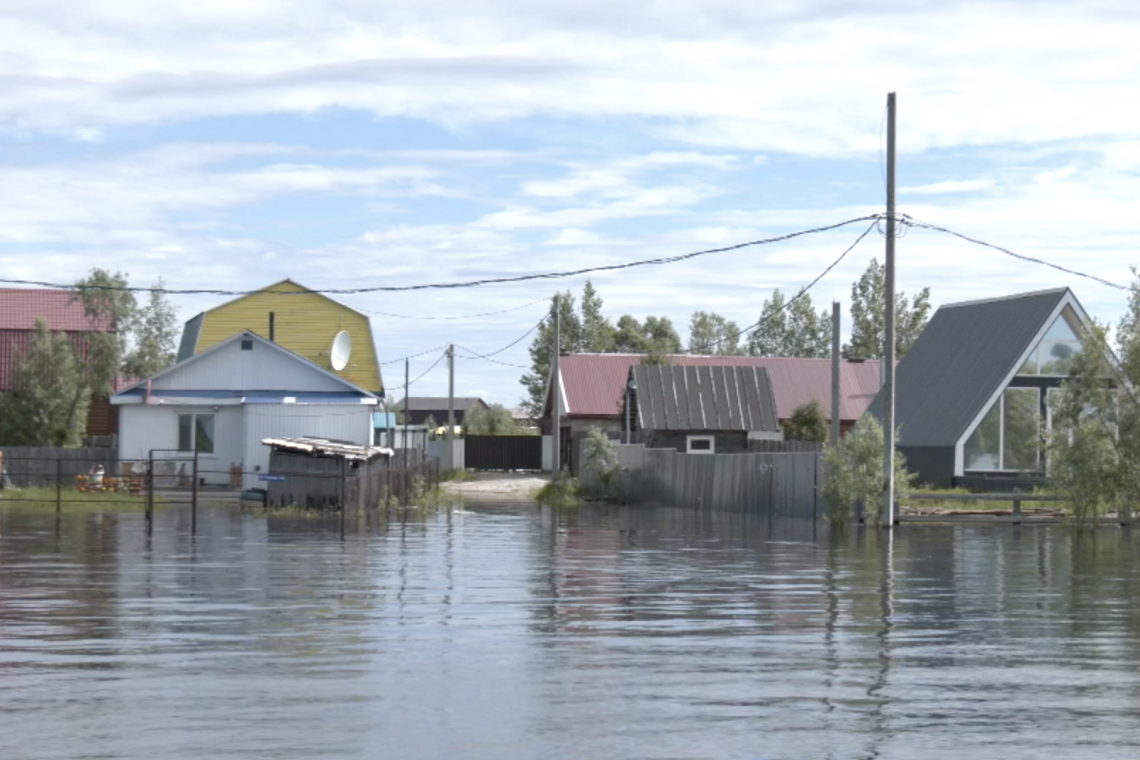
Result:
{"points": [[958, 363], [190, 334], [704, 398]]}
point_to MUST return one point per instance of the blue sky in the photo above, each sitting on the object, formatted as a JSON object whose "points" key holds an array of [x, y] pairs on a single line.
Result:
{"points": [[353, 143]]}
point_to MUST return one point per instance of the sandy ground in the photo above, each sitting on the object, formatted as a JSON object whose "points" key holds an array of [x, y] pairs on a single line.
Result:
{"points": [[499, 486]]}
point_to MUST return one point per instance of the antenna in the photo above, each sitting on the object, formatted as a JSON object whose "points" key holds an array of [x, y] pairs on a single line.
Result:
{"points": [[341, 350]]}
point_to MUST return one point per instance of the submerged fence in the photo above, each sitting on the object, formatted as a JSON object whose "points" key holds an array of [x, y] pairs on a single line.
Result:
{"points": [[767, 484]]}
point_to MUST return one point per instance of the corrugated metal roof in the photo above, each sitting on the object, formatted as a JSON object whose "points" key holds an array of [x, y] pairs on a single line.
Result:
{"points": [[594, 384], [956, 365], [20, 308], [324, 447], [704, 398]]}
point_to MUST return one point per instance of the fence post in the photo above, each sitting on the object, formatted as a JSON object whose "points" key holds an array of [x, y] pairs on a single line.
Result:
{"points": [[58, 485], [194, 499], [150, 493]]}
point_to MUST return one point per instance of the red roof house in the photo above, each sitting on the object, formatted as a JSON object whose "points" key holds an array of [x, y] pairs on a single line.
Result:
{"points": [[593, 385], [19, 310]]}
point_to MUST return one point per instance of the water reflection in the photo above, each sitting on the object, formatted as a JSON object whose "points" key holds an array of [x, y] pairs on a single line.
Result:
{"points": [[519, 631]]}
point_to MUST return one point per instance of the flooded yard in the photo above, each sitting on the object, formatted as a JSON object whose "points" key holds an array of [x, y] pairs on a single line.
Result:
{"points": [[509, 630]]}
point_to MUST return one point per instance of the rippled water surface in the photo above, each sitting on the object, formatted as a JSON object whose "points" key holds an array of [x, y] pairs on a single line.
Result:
{"points": [[517, 632]]}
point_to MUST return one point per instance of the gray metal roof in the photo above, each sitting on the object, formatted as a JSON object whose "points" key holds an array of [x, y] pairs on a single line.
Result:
{"points": [[704, 398], [959, 361], [190, 335]]}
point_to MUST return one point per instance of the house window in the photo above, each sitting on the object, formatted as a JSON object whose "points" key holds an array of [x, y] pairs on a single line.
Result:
{"points": [[1053, 356], [1009, 436], [247, 345], [196, 433], [701, 444]]}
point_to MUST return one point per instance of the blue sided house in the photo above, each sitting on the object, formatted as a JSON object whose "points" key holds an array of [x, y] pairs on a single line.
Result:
{"points": [[222, 402]]}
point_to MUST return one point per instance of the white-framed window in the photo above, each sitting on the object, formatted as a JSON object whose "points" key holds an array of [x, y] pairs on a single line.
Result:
{"points": [[196, 433], [700, 444], [1009, 436]]}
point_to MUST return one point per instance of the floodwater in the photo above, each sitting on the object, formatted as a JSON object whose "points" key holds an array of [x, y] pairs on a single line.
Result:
{"points": [[514, 631]]}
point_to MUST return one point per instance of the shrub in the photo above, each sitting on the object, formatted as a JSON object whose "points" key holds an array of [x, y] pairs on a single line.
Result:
{"points": [[807, 423], [855, 473]]}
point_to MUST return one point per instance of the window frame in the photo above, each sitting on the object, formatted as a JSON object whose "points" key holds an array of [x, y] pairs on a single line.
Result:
{"points": [[193, 432], [691, 439]]}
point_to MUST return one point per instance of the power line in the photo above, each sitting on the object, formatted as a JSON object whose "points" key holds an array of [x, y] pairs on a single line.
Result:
{"points": [[513, 343], [803, 291], [466, 283], [414, 356], [462, 316], [907, 221], [410, 383]]}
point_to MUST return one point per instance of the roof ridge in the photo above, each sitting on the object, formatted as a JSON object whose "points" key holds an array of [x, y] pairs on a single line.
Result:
{"points": [[998, 299]]}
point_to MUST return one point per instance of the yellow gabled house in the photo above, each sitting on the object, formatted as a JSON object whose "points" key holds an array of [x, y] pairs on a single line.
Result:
{"points": [[327, 333]]}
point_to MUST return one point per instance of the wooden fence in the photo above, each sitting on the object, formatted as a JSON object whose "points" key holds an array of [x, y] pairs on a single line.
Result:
{"points": [[332, 482], [32, 466], [766, 484]]}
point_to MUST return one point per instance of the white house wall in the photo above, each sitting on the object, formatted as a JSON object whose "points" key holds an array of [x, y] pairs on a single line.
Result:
{"points": [[344, 422], [230, 368], [146, 428]]}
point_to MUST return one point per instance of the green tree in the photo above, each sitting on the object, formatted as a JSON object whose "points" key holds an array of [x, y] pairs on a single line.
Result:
{"points": [[791, 329], [855, 473], [495, 419], [48, 404], [868, 306], [656, 335], [111, 310], [807, 423], [710, 333], [155, 329], [570, 333], [1094, 462], [597, 332]]}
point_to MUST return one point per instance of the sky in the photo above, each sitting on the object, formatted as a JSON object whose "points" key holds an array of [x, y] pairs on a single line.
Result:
{"points": [[354, 144]]}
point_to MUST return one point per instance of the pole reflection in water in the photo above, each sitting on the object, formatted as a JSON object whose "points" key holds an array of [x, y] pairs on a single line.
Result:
{"points": [[516, 631]]}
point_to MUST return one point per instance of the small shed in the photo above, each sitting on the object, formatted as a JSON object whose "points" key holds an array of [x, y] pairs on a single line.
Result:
{"points": [[322, 473], [703, 409]]}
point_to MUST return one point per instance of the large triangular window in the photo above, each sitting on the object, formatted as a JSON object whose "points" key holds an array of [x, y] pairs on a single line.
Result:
{"points": [[1053, 356]]}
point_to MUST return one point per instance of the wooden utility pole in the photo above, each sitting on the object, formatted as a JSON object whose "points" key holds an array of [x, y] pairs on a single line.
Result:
{"points": [[556, 394], [888, 513], [450, 406], [407, 387], [835, 373]]}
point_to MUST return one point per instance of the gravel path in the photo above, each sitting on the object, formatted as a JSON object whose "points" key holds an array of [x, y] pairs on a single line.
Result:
{"points": [[497, 485]]}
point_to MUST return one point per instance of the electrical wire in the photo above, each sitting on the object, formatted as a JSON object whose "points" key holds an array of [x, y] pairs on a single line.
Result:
{"points": [[513, 343], [467, 283], [463, 316], [414, 356], [420, 376], [909, 221], [802, 292]]}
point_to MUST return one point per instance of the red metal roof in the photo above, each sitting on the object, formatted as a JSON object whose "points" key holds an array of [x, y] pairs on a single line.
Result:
{"points": [[593, 384], [20, 308]]}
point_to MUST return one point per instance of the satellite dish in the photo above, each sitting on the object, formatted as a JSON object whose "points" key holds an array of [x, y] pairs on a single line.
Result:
{"points": [[341, 350]]}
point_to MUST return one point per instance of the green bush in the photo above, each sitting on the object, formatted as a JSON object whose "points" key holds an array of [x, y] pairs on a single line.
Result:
{"points": [[600, 460], [855, 473]]}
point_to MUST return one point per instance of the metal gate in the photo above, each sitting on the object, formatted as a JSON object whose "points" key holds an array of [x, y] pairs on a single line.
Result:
{"points": [[503, 452]]}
